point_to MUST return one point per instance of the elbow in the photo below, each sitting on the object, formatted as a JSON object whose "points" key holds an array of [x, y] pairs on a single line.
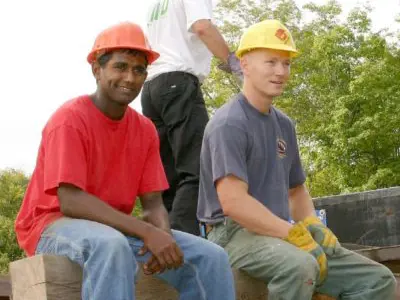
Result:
{"points": [[66, 202], [229, 204], [201, 27], [65, 207], [231, 192]]}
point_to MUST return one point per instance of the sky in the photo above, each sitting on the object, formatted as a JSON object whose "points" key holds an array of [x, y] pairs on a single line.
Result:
{"points": [[44, 44]]}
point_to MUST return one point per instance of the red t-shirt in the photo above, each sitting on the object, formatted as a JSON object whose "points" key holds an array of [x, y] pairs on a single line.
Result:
{"points": [[113, 160]]}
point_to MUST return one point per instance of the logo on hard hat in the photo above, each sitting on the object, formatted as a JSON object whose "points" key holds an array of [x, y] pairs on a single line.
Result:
{"points": [[281, 148], [282, 35]]}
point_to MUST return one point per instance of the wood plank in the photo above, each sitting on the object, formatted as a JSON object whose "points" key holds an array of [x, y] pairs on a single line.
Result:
{"points": [[34, 278], [5, 287], [50, 277], [45, 277], [4, 296]]}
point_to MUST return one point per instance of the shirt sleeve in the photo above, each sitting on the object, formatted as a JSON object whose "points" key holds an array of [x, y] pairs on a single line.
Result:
{"points": [[153, 177], [227, 145], [297, 175], [196, 10], [65, 159]]}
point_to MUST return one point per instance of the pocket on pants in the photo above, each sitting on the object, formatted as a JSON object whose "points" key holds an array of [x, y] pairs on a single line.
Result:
{"points": [[218, 235]]}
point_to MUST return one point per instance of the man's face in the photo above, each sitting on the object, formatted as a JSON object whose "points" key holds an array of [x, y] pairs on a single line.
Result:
{"points": [[122, 77], [267, 70]]}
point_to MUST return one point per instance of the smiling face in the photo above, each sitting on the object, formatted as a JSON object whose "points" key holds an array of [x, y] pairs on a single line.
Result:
{"points": [[267, 71], [121, 76]]}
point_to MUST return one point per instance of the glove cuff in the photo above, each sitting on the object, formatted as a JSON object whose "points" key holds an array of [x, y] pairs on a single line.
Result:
{"points": [[312, 220], [296, 231]]}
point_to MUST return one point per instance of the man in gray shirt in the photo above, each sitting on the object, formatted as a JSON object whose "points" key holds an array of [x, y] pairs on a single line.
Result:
{"points": [[252, 182]]}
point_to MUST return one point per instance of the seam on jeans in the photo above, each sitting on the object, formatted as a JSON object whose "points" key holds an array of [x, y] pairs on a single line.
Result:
{"points": [[74, 246], [198, 280], [77, 249]]}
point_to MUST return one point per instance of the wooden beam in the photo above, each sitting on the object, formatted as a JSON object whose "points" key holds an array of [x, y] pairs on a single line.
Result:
{"points": [[40, 269], [5, 287]]}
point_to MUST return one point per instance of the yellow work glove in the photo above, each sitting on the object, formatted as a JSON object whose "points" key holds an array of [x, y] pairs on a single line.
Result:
{"points": [[322, 235], [302, 239]]}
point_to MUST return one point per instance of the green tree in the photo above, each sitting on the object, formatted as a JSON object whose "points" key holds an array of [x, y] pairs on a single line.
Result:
{"points": [[343, 93], [12, 188]]}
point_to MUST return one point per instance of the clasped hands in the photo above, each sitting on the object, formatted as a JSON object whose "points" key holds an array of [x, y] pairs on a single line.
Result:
{"points": [[165, 253], [312, 236]]}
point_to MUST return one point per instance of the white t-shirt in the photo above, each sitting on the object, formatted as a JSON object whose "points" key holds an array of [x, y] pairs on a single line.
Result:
{"points": [[169, 32]]}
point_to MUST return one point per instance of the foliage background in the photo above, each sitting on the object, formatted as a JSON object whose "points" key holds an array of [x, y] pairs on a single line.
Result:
{"points": [[343, 94]]}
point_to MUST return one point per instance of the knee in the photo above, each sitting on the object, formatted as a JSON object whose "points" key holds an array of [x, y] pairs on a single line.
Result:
{"points": [[112, 244], [385, 279], [303, 266]]}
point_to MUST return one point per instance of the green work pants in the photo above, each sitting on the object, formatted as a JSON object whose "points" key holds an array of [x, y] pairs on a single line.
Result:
{"points": [[291, 273]]}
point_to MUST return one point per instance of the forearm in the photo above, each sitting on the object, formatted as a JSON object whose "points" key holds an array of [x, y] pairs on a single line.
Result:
{"points": [[154, 211], [82, 205], [215, 42], [158, 217], [301, 204], [255, 217]]}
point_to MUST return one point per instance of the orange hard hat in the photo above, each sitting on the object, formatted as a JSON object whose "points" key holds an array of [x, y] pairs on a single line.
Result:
{"points": [[124, 35]]}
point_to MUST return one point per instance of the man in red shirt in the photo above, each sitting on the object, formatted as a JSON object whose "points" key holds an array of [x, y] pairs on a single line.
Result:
{"points": [[96, 156]]}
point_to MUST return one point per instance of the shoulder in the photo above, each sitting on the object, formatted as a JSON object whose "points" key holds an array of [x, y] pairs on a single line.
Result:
{"points": [[283, 118], [145, 124], [198, 8], [70, 114], [143, 127], [228, 118], [231, 113]]}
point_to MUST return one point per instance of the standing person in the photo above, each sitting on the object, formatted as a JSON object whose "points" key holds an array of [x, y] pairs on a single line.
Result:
{"points": [[96, 155], [183, 33], [252, 181]]}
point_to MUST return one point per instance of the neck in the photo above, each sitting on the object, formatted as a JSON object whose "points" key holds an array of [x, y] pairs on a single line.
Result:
{"points": [[258, 100], [111, 109]]}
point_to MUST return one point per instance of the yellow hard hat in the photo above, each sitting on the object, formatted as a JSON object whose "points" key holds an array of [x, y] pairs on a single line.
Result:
{"points": [[269, 34]]}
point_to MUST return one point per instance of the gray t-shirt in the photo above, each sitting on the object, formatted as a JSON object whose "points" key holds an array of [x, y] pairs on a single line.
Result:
{"points": [[260, 149]]}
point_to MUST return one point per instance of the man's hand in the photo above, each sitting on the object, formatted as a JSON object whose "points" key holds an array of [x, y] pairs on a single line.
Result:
{"points": [[233, 67], [165, 252], [151, 266], [302, 239], [322, 235]]}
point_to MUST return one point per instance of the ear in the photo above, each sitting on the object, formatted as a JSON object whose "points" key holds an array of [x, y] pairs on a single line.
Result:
{"points": [[96, 70], [244, 64]]}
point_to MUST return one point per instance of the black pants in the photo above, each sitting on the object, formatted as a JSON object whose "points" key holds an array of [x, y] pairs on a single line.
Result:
{"points": [[175, 104]]}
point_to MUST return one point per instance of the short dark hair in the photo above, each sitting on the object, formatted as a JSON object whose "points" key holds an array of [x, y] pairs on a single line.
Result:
{"points": [[105, 58]]}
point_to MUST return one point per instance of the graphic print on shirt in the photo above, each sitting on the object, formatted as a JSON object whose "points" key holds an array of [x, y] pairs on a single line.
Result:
{"points": [[159, 9], [281, 148]]}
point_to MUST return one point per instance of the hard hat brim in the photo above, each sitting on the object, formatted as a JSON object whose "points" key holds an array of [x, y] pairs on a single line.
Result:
{"points": [[150, 54], [293, 52]]}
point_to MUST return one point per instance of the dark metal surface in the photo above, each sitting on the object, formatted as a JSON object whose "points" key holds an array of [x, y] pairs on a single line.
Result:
{"points": [[382, 254], [365, 218]]}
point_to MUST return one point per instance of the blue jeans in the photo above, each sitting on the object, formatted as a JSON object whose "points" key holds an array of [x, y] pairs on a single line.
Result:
{"points": [[110, 261]]}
